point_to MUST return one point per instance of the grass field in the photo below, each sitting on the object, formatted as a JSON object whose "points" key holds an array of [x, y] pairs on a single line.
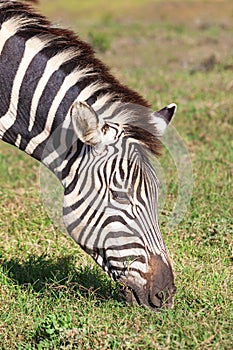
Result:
{"points": [[52, 296]]}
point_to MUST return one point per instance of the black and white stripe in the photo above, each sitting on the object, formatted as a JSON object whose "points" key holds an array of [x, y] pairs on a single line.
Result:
{"points": [[62, 106]]}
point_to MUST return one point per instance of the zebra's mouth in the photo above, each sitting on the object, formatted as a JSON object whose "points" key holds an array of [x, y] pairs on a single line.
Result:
{"points": [[157, 302]]}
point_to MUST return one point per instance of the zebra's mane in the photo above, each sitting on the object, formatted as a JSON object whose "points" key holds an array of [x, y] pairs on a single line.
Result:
{"points": [[136, 121]]}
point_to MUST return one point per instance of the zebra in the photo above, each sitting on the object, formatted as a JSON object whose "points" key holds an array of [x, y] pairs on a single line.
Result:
{"points": [[62, 106]]}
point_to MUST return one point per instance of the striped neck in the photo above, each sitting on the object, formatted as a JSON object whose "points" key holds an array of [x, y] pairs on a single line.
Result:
{"points": [[43, 70]]}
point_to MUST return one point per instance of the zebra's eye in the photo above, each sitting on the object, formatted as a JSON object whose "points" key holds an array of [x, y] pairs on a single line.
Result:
{"points": [[121, 197]]}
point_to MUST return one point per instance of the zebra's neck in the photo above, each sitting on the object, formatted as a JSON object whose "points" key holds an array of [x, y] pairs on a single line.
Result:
{"points": [[36, 91], [42, 71]]}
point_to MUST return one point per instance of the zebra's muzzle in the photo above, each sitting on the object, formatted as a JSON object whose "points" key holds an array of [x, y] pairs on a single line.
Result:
{"points": [[157, 302], [159, 290]]}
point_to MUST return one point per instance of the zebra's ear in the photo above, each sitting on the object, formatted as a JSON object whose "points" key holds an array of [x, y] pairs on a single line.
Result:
{"points": [[163, 117], [85, 123]]}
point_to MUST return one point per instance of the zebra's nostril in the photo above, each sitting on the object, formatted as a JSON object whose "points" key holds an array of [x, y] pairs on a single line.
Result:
{"points": [[161, 300], [160, 295], [155, 301]]}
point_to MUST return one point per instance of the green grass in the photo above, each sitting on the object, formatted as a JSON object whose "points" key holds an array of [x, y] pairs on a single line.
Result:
{"points": [[52, 296]]}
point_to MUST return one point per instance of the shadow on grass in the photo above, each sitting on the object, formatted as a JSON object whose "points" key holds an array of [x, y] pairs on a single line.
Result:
{"points": [[55, 276]]}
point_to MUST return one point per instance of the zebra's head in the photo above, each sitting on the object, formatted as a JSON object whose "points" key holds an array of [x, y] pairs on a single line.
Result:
{"points": [[111, 202]]}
